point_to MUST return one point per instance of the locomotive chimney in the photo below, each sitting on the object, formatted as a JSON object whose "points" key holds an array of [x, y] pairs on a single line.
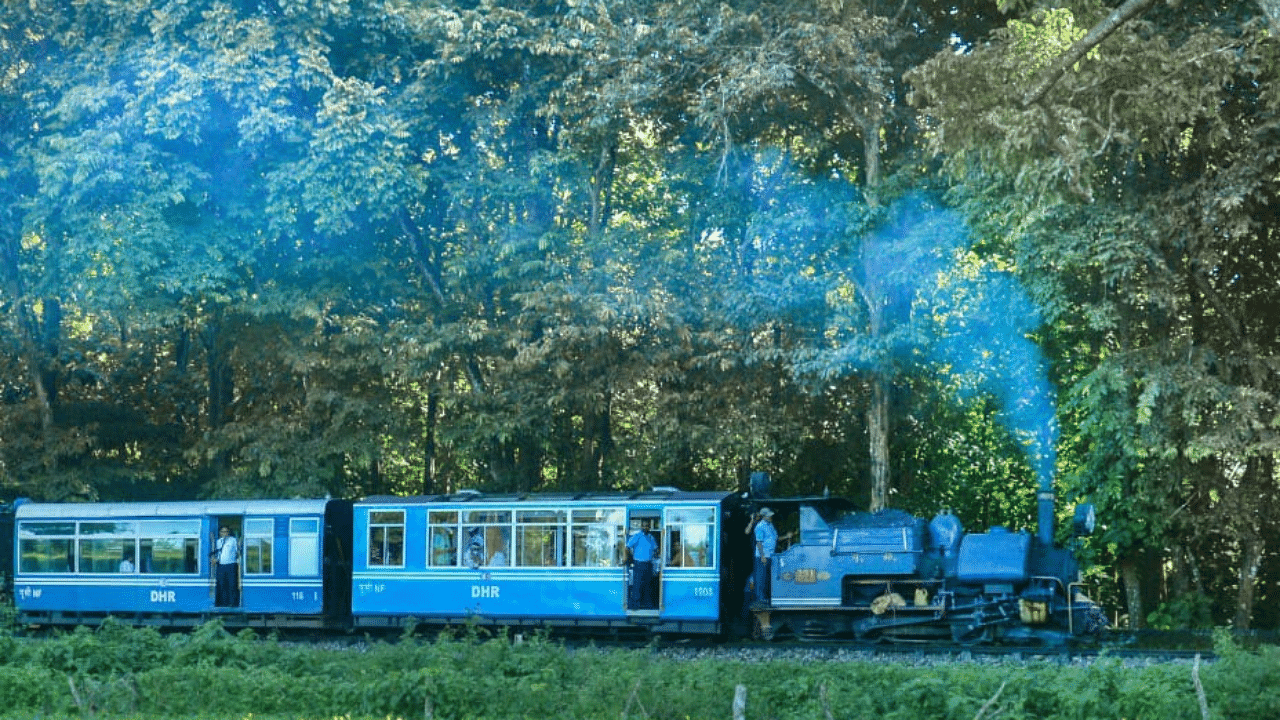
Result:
{"points": [[1044, 502]]}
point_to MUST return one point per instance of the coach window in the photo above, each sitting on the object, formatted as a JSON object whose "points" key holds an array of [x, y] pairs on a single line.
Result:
{"points": [[258, 535], [597, 537], [304, 547], [690, 533], [386, 538], [46, 547], [488, 534], [540, 538], [169, 547], [444, 537], [105, 546]]}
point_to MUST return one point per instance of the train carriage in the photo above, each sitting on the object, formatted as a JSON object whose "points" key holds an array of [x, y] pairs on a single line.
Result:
{"points": [[549, 560], [79, 562]]}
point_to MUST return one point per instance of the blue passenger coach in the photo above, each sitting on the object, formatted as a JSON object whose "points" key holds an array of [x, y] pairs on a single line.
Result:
{"points": [[79, 562], [547, 560]]}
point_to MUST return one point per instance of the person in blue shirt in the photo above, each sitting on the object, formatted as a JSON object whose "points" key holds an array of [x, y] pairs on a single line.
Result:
{"points": [[642, 548], [766, 544]]}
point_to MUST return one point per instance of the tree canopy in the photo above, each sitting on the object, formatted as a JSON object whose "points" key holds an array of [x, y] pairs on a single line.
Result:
{"points": [[925, 254]]}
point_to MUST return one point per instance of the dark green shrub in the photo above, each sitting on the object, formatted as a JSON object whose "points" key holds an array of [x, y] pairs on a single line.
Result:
{"points": [[110, 648], [33, 689], [1242, 684]]}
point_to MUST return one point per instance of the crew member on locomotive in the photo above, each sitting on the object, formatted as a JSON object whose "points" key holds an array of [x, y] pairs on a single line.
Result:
{"points": [[766, 543]]}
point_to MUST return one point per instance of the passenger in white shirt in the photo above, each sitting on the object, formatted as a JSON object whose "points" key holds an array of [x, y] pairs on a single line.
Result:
{"points": [[227, 557]]}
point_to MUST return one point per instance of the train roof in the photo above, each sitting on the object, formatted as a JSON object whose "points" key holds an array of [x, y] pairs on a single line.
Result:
{"points": [[27, 511], [829, 503], [657, 495]]}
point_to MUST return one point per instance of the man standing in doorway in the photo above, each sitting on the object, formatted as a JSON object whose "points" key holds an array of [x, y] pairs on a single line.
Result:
{"points": [[642, 547], [226, 556], [766, 544]]}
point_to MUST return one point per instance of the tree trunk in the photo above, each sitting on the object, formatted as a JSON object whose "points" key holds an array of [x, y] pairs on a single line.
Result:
{"points": [[429, 441], [221, 382], [878, 432], [221, 388], [872, 126], [1178, 579], [24, 318], [1250, 561], [40, 349], [597, 439], [602, 187], [878, 404], [1130, 575], [1247, 508]]}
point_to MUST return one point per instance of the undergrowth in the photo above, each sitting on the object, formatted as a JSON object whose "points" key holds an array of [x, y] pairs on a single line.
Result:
{"points": [[116, 672]]}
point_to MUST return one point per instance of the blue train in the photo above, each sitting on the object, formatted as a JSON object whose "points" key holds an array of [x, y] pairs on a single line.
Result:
{"points": [[546, 561], [76, 563]]}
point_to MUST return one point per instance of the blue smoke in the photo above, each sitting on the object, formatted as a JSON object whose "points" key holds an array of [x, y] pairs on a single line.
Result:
{"points": [[973, 320], [938, 303]]}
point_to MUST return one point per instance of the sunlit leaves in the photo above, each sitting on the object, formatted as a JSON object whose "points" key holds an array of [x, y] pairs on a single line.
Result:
{"points": [[1133, 93], [1141, 185], [1040, 42]]}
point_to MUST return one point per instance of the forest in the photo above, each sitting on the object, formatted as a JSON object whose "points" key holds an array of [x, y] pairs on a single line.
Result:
{"points": [[926, 254]]}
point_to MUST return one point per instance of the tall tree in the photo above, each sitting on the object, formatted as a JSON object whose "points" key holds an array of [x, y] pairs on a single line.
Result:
{"points": [[1141, 227]]}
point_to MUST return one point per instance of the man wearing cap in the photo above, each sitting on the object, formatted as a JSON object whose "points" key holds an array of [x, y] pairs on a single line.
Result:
{"points": [[766, 544]]}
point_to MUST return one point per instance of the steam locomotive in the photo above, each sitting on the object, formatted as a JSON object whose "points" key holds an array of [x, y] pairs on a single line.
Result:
{"points": [[557, 561]]}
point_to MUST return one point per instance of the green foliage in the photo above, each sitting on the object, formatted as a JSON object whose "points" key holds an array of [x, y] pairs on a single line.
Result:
{"points": [[1193, 610], [1241, 683], [27, 690], [502, 678], [110, 649], [1111, 194]]}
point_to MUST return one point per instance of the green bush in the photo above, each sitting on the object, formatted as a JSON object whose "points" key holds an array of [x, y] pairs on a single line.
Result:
{"points": [[33, 689], [1242, 684], [112, 648], [117, 672]]}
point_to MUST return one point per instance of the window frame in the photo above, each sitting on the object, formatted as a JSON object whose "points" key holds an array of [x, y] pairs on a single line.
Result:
{"points": [[537, 526], [603, 537], [259, 544], [304, 547], [443, 522], [65, 536], [103, 542], [676, 523], [488, 532], [385, 545]]}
